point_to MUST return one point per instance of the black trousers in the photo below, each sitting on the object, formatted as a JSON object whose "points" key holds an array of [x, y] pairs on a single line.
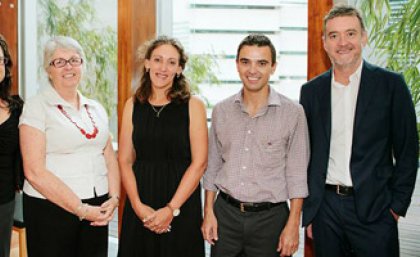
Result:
{"points": [[53, 232], [338, 232], [250, 234], [6, 224]]}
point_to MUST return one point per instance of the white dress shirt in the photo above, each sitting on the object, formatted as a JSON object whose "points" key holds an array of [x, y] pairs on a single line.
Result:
{"points": [[343, 106], [79, 162]]}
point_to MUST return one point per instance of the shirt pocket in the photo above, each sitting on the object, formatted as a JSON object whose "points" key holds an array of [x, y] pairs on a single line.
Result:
{"points": [[272, 150]]}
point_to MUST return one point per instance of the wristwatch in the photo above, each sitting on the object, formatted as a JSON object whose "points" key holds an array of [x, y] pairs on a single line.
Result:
{"points": [[175, 211]]}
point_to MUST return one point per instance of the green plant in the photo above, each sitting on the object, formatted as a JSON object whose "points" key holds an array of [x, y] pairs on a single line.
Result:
{"points": [[396, 42], [74, 18], [199, 70]]}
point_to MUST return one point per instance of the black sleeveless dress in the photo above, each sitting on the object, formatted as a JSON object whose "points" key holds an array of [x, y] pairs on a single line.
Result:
{"points": [[11, 172], [162, 147]]}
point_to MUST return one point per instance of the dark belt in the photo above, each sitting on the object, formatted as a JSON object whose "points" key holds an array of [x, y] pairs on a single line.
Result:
{"points": [[340, 190], [248, 207]]}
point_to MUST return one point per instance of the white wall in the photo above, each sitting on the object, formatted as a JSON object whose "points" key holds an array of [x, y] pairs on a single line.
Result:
{"points": [[28, 51]]}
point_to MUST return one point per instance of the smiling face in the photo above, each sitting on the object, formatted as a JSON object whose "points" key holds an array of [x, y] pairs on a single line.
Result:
{"points": [[343, 41], [67, 76], [255, 67], [163, 66]]}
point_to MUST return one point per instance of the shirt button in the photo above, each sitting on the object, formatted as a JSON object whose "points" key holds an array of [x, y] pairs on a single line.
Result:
{"points": [[246, 149], [244, 167], [249, 131], [242, 183]]}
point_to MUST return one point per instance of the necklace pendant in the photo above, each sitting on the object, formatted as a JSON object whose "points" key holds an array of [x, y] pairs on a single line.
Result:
{"points": [[82, 131], [157, 112]]}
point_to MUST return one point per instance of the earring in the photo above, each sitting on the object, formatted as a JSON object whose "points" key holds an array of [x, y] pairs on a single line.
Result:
{"points": [[178, 75], [147, 70]]}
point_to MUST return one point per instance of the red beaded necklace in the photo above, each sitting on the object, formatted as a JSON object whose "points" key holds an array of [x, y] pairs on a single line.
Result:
{"points": [[87, 135]]}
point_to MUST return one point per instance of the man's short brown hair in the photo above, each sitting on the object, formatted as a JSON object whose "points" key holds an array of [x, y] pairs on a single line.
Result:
{"points": [[343, 10]]}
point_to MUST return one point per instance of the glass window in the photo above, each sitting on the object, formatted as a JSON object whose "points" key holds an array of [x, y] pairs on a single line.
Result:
{"points": [[94, 25], [214, 28]]}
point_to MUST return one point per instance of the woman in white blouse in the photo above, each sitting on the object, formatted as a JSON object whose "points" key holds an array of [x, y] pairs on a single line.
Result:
{"points": [[72, 179]]}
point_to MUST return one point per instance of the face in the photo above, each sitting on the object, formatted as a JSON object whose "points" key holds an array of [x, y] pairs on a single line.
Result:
{"points": [[343, 41], [2, 66], [163, 66], [67, 76], [255, 67]]}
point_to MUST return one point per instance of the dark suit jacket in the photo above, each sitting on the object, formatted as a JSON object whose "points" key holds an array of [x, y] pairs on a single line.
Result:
{"points": [[384, 130]]}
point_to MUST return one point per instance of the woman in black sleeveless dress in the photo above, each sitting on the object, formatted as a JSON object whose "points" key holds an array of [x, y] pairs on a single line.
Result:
{"points": [[162, 156], [10, 109]]}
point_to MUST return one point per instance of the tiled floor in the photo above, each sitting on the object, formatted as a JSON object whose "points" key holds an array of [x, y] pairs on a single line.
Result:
{"points": [[14, 252]]}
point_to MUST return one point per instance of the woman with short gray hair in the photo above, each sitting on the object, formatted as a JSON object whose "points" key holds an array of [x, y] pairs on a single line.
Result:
{"points": [[72, 179]]}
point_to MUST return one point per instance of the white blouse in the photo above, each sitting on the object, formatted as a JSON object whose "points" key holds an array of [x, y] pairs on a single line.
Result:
{"points": [[79, 162]]}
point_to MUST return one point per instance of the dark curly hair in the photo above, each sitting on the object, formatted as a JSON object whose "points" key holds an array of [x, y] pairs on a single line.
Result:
{"points": [[6, 83], [180, 90]]}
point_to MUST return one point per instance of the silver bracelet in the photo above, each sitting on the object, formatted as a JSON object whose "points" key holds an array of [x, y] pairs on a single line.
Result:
{"points": [[82, 215]]}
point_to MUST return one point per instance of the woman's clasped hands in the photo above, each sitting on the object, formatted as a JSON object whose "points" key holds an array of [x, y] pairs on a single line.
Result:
{"points": [[99, 215], [157, 221]]}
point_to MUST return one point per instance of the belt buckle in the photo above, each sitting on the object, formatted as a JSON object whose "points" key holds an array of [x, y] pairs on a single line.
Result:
{"points": [[242, 207], [338, 191]]}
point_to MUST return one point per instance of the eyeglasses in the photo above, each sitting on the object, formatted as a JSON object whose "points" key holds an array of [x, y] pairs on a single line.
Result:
{"points": [[3, 60], [60, 62]]}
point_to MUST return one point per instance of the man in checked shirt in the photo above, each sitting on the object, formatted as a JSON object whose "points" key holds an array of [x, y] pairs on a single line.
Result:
{"points": [[258, 157]]}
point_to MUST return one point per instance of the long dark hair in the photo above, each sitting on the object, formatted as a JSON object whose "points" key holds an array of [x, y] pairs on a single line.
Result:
{"points": [[6, 83], [180, 90]]}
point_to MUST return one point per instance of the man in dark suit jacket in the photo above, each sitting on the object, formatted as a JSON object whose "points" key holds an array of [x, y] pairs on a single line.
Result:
{"points": [[364, 147]]}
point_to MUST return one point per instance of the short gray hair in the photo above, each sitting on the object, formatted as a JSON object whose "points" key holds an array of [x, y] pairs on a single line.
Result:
{"points": [[343, 11], [61, 42]]}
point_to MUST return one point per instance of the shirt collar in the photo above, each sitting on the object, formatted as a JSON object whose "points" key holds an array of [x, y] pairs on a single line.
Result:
{"points": [[353, 77], [273, 98], [53, 98]]}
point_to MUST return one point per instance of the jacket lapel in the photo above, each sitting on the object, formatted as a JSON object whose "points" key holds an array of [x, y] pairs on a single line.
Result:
{"points": [[324, 98], [366, 92]]}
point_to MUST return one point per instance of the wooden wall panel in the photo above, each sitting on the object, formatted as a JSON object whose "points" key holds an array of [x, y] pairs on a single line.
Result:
{"points": [[136, 24], [318, 61], [9, 29]]}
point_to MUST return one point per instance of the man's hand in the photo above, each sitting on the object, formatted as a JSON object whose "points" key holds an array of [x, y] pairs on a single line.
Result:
{"points": [[396, 216], [209, 227], [289, 240], [309, 231]]}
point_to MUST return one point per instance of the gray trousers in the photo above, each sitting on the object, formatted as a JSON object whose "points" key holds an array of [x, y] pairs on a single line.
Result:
{"points": [[249, 234], [6, 223]]}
